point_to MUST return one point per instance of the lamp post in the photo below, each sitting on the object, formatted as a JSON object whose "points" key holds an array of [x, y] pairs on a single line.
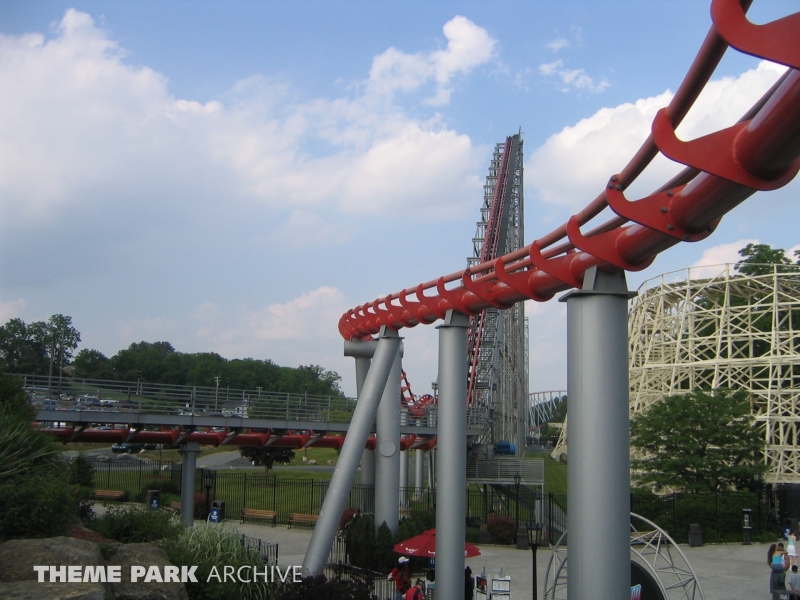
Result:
{"points": [[534, 539], [520, 528]]}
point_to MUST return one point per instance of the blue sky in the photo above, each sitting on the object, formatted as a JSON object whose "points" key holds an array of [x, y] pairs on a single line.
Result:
{"points": [[232, 176]]}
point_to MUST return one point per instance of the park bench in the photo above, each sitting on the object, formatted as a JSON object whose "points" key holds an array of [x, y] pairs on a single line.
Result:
{"points": [[301, 518], [174, 507], [254, 513], [109, 495]]}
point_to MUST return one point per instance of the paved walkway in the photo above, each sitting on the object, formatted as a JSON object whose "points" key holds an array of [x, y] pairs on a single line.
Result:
{"points": [[725, 571]]}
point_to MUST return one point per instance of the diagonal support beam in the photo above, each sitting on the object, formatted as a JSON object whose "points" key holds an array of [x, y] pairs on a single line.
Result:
{"points": [[347, 465]]}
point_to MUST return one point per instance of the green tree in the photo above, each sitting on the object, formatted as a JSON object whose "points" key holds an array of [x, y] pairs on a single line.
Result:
{"points": [[92, 364], [759, 258], [267, 455], [62, 340], [698, 442], [23, 348]]}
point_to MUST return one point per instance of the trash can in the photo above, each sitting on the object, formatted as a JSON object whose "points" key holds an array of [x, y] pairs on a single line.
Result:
{"points": [[695, 535], [217, 513], [153, 499]]}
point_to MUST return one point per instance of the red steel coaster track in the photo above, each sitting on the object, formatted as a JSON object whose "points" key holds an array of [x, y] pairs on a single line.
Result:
{"points": [[760, 152]]}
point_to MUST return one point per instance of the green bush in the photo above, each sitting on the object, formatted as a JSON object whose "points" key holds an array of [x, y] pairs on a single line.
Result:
{"points": [[502, 529], [385, 556], [81, 472], [37, 506], [360, 542], [133, 525], [165, 486], [208, 545], [473, 535]]}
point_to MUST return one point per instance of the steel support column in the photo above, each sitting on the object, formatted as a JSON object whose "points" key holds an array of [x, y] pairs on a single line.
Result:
{"points": [[599, 440], [419, 468], [347, 466], [387, 457], [452, 450], [368, 456], [189, 452]]}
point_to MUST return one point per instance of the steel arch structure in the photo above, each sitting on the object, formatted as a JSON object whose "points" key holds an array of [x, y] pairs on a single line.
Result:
{"points": [[731, 330], [497, 339], [541, 405], [652, 548]]}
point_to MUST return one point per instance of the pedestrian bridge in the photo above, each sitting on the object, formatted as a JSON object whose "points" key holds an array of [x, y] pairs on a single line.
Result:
{"points": [[175, 414]]}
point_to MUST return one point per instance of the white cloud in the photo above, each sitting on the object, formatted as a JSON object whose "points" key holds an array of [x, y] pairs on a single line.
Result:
{"points": [[84, 134], [573, 165], [12, 309], [709, 264], [558, 44], [572, 79], [468, 46]]}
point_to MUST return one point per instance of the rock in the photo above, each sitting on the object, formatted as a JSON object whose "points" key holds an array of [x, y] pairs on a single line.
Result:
{"points": [[33, 590], [17, 557], [144, 555]]}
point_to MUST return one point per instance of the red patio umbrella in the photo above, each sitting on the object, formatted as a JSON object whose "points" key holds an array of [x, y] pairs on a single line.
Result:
{"points": [[425, 545]]}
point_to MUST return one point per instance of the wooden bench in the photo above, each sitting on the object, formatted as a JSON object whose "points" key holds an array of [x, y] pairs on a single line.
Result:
{"points": [[301, 518], [109, 495], [174, 507], [254, 513]]}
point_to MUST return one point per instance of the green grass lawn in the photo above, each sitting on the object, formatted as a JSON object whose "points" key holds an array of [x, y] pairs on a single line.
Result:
{"points": [[555, 473]]}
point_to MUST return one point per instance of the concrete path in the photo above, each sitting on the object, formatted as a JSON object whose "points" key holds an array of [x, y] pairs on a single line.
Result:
{"points": [[725, 571]]}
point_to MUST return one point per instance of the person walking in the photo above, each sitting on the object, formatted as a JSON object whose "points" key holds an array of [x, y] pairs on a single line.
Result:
{"points": [[416, 592], [401, 575], [791, 548], [776, 557], [469, 584], [793, 581]]}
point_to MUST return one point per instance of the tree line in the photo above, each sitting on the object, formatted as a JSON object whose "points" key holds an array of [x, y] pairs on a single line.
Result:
{"points": [[48, 348]]}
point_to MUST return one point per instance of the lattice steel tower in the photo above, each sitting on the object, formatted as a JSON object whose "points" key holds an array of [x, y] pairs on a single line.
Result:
{"points": [[498, 347]]}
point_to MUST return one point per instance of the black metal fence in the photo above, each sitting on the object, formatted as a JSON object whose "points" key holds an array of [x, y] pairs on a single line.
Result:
{"points": [[130, 475], [490, 509], [269, 552], [719, 515]]}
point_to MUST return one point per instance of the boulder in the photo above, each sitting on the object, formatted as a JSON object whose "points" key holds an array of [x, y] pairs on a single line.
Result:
{"points": [[144, 555], [18, 557], [33, 590]]}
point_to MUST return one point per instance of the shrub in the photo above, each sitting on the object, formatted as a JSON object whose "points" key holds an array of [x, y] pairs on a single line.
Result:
{"points": [[428, 519], [164, 486], [207, 545], [37, 506], [473, 535], [200, 511], [384, 549], [133, 525], [320, 588], [81, 472], [502, 529], [361, 542]]}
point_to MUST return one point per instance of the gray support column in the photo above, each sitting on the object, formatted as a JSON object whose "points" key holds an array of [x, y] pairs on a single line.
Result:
{"points": [[347, 466], [452, 449], [368, 456], [419, 467], [189, 451], [432, 468], [403, 462], [598, 432], [387, 457]]}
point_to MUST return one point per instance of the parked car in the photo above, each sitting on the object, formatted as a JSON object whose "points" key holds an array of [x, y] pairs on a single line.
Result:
{"points": [[126, 448]]}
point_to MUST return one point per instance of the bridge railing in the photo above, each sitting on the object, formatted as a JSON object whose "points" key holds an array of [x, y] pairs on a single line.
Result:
{"points": [[65, 393]]}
